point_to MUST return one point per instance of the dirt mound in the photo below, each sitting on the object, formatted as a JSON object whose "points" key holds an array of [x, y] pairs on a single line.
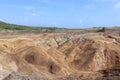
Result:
{"points": [[62, 56]]}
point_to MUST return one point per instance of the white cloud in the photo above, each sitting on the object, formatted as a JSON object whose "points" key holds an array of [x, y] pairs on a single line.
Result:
{"points": [[2, 20], [72, 9], [28, 7], [44, 1], [32, 14], [106, 0], [35, 14], [88, 6], [55, 2], [117, 6]]}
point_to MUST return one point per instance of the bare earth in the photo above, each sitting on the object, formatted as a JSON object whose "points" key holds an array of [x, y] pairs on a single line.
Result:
{"points": [[60, 56]]}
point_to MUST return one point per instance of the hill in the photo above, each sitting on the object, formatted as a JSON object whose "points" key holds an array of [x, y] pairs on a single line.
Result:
{"points": [[33, 29], [8, 26]]}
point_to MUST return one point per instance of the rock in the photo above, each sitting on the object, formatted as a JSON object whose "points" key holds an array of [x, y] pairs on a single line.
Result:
{"points": [[18, 76]]}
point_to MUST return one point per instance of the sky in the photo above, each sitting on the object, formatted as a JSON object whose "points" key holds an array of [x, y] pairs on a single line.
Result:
{"points": [[61, 13]]}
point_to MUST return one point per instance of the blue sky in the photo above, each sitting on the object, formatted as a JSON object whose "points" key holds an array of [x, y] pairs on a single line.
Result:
{"points": [[61, 13]]}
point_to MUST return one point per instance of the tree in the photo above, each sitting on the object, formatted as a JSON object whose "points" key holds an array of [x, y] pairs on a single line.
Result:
{"points": [[102, 29]]}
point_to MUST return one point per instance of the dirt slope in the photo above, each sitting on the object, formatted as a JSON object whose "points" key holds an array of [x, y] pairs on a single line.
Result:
{"points": [[62, 56]]}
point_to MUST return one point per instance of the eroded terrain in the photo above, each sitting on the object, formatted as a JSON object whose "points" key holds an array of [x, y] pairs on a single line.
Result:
{"points": [[60, 56]]}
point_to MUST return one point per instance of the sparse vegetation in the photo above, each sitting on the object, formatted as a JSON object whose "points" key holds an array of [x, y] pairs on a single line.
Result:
{"points": [[7, 26], [102, 29]]}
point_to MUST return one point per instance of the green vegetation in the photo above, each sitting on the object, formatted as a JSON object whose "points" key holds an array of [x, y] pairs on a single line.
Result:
{"points": [[7, 26], [102, 29]]}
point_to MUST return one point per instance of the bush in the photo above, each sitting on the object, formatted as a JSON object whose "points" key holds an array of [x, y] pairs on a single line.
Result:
{"points": [[102, 29]]}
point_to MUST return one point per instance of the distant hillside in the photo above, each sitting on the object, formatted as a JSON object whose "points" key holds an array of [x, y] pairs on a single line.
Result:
{"points": [[7, 26]]}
